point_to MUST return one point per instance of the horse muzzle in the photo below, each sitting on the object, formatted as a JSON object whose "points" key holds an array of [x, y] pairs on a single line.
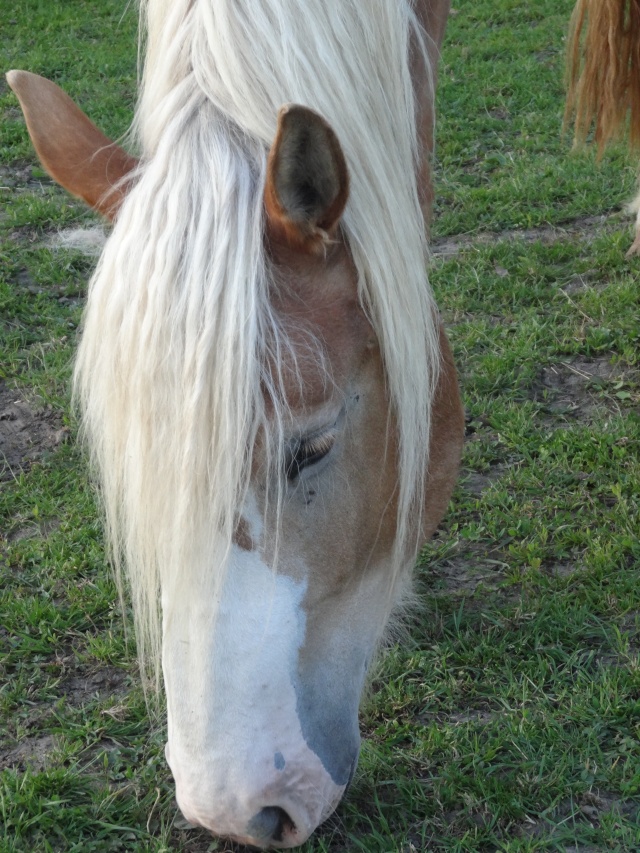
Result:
{"points": [[278, 808]]}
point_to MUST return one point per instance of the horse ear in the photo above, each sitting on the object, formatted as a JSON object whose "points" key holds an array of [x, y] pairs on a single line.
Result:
{"points": [[307, 181], [70, 147]]}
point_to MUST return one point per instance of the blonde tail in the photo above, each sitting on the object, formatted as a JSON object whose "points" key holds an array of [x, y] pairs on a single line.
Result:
{"points": [[603, 70]]}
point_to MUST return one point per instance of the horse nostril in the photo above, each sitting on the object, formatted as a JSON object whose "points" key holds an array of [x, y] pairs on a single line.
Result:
{"points": [[270, 823]]}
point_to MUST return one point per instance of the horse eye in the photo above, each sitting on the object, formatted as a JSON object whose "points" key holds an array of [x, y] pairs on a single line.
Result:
{"points": [[306, 453]]}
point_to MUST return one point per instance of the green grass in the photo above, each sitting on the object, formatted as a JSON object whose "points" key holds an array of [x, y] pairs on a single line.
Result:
{"points": [[511, 720]]}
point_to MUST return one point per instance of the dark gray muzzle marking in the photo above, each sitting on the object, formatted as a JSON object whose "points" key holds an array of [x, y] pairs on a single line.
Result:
{"points": [[327, 707]]}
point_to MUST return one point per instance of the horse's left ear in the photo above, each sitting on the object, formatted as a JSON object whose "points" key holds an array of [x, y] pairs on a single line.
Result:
{"points": [[307, 181], [71, 148]]}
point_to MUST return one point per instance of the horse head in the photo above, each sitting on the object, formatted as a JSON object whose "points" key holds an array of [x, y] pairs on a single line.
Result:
{"points": [[264, 669]]}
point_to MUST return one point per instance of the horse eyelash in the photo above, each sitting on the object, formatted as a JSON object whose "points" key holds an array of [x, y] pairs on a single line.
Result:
{"points": [[307, 451]]}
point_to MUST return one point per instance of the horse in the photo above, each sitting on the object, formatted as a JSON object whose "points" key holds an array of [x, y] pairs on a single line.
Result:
{"points": [[603, 77], [264, 384]]}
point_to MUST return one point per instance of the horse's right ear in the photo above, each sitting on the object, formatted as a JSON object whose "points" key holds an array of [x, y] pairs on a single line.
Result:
{"points": [[70, 147], [307, 182]]}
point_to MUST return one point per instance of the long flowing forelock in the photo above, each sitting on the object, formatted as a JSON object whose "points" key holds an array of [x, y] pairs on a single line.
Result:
{"points": [[179, 305]]}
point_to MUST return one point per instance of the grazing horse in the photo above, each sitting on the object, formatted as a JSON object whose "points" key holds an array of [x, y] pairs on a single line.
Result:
{"points": [[603, 73], [266, 390]]}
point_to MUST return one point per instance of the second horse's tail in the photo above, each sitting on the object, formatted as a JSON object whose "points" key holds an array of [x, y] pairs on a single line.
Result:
{"points": [[603, 70]]}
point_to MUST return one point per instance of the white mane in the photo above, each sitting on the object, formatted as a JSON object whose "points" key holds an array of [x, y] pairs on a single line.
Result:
{"points": [[170, 364]]}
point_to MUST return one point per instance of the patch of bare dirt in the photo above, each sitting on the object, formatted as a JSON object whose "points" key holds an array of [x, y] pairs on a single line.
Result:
{"points": [[476, 482], [26, 432], [482, 718], [590, 808], [461, 574], [33, 530], [583, 282], [81, 684], [561, 568], [78, 687], [31, 752], [579, 387], [586, 226], [20, 176]]}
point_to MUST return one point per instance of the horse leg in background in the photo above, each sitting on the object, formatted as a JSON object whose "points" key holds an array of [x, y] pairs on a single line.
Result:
{"points": [[634, 207]]}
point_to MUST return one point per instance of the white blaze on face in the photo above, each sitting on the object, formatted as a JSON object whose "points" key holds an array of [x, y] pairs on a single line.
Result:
{"points": [[235, 744]]}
